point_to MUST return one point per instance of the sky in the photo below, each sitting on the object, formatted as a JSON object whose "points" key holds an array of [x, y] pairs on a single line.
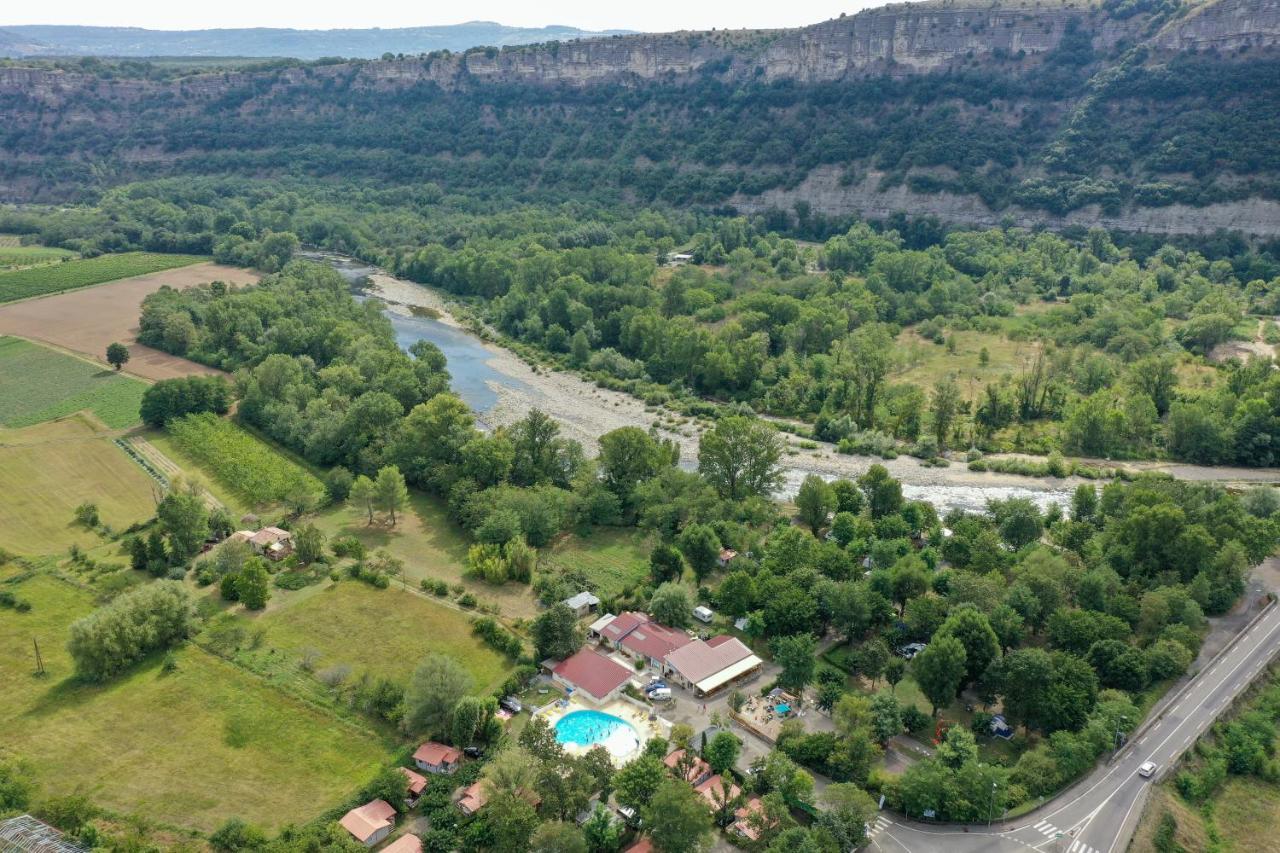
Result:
{"points": [[651, 16]]}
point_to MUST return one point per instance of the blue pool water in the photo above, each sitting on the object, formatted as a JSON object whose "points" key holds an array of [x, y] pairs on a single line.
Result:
{"points": [[588, 728]]}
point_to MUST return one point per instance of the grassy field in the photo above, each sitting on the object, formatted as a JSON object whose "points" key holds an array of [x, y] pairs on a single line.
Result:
{"points": [[244, 464], [38, 384], [431, 545], [924, 363], [48, 470], [614, 560], [53, 278], [12, 257], [192, 747], [384, 632]]}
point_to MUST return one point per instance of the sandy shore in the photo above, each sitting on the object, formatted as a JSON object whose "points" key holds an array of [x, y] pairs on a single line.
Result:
{"points": [[586, 412]]}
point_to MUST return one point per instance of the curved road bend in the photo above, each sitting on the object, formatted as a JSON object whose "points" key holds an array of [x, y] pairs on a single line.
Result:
{"points": [[1099, 814]]}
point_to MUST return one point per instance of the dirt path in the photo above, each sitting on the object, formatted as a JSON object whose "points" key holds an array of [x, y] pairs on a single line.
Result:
{"points": [[85, 321]]}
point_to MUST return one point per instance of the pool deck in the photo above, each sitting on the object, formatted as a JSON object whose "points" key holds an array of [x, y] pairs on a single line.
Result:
{"points": [[634, 715]]}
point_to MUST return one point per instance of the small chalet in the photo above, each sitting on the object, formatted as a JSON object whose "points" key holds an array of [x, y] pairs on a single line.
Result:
{"points": [[743, 824], [371, 823], [415, 784], [407, 843], [717, 791], [473, 799], [437, 758], [270, 542], [696, 771], [583, 604]]}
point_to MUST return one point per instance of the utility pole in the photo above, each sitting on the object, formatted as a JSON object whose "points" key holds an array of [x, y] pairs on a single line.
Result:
{"points": [[39, 660], [991, 809]]}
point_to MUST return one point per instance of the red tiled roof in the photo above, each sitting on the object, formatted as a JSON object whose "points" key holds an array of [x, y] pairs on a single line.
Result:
{"points": [[363, 821], [641, 845], [623, 625], [698, 660], [743, 824], [407, 843], [713, 790], [719, 640], [697, 769], [655, 641], [473, 798], [592, 673], [436, 754], [416, 781]]}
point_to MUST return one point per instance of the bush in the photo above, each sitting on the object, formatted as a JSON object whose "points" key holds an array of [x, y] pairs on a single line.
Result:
{"points": [[498, 637], [143, 620]]}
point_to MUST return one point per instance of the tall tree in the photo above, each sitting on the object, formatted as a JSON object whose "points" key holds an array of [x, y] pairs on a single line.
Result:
{"points": [[672, 605], [185, 519], [363, 497], [437, 684], [701, 548], [678, 819], [815, 500], [739, 457], [117, 355], [981, 645], [629, 456], [797, 657], [939, 670], [944, 407], [392, 493], [556, 632], [253, 584]]}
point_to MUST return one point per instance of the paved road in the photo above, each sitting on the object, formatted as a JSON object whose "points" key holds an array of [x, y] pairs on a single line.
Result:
{"points": [[1098, 815]]}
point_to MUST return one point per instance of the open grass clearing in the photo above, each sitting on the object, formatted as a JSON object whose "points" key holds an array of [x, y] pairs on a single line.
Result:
{"points": [[38, 384], [71, 275], [46, 471], [384, 632], [191, 748], [19, 256], [613, 560], [87, 320], [923, 363], [431, 545]]}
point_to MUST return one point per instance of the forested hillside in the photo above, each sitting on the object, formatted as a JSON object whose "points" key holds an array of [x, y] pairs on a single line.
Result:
{"points": [[1137, 116]]}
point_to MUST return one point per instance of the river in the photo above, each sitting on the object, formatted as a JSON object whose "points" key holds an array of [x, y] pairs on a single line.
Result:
{"points": [[501, 388]]}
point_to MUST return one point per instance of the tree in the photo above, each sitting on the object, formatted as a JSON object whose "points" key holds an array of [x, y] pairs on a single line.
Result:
{"points": [[886, 717], [1019, 521], [981, 645], [144, 619], [185, 519], [736, 594], [1025, 675], [602, 832], [253, 584], [907, 579], [435, 688], [556, 632], [308, 543], [672, 605], [816, 501], [665, 563], [467, 716], [946, 403], [739, 456], [391, 492], [636, 783], [512, 822], [628, 456], [871, 658], [797, 657], [117, 355], [893, 672], [701, 548], [363, 497], [557, 837], [677, 819], [849, 811], [958, 747], [884, 494], [170, 399], [939, 669], [722, 751]]}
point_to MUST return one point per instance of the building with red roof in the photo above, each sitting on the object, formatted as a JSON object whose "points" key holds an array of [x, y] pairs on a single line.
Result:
{"points": [[591, 673], [415, 783], [637, 635], [435, 757], [407, 843], [473, 799], [708, 666], [371, 823], [717, 791], [747, 819], [697, 771]]}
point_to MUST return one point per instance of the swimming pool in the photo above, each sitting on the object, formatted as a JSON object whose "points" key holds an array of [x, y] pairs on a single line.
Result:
{"points": [[585, 729]]}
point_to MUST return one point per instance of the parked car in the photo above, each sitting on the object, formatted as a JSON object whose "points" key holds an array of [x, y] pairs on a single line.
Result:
{"points": [[910, 650], [655, 684], [512, 704]]}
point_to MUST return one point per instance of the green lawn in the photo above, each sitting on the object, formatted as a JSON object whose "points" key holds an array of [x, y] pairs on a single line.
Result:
{"points": [[614, 560], [28, 256], [431, 546], [384, 632], [192, 748], [39, 384], [923, 363], [55, 278], [46, 471]]}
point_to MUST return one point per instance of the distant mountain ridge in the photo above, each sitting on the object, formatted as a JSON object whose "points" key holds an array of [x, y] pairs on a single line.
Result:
{"points": [[56, 40]]}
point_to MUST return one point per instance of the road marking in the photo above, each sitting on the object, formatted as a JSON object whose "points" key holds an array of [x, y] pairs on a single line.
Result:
{"points": [[881, 825]]}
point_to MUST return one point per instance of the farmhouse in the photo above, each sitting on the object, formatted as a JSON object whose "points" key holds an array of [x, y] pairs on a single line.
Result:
{"points": [[711, 665], [371, 823], [592, 674], [473, 799], [437, 758], [270, 542], [582, 604], [744, 825]]}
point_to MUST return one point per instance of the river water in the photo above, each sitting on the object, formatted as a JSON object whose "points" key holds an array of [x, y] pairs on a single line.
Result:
{"points": [[473, 375]]}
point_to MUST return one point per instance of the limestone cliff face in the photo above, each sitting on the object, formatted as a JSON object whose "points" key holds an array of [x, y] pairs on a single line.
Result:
{"points": [[1227, 25]]}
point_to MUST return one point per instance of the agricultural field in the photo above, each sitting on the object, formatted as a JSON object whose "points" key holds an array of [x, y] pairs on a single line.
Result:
{"points": [[18, 256], [38, 384], [614, 560], [431, 545], [46, 471], [395, 630], [87, 320], [192, 747], [254, 471], [54, 278]]}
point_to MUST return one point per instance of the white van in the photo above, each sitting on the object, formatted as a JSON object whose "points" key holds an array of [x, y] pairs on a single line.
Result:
{"points": [[659, 694]]}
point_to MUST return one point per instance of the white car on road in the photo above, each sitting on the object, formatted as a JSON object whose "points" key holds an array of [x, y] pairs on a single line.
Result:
{"points": [[1147, 770]]}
